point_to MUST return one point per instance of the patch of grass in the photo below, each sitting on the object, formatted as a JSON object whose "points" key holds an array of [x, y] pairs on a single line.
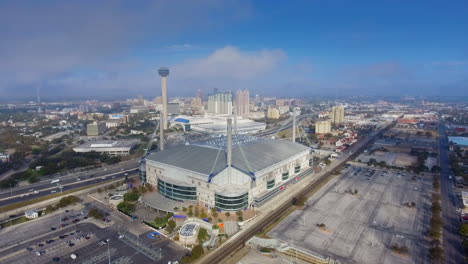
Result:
{"points": [[15, 221]]}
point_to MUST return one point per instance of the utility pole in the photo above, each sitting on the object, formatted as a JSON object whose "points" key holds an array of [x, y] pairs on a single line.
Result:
{"points": [[294, 126]]}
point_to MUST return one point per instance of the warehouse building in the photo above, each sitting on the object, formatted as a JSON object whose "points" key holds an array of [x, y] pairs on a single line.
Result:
{"points": [[110, 147], [229, 172]]}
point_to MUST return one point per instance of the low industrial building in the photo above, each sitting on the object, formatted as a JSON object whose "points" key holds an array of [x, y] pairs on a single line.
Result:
{"points": [[110, 147], [216, 125], [230, 173]]}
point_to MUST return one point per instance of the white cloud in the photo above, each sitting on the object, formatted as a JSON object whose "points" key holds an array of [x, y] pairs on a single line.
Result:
{"points": [[41, 42], [231, 63]]}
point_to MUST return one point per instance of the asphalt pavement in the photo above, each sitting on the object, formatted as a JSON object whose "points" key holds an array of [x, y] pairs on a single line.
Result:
{"points": [[453, 249], [68, 182]]}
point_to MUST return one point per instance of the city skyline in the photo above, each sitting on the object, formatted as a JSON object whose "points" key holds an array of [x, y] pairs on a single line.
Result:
{"points": [[284, 49]]}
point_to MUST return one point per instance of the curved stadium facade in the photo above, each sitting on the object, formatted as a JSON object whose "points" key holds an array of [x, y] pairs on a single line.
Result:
{"points": [[201, 172]]}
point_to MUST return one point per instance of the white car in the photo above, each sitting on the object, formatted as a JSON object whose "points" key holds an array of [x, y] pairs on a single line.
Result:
{"points": [[73, 256]]}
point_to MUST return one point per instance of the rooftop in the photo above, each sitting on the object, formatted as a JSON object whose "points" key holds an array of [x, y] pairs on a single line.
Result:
{"points": [[188, 229], [108, 144], [462, 141], [249, 154]]}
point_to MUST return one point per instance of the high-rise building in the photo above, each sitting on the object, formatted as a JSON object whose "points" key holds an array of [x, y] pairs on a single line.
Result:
{"points": [[220, 103], [337, 115], [242, 103], [323, 127]]}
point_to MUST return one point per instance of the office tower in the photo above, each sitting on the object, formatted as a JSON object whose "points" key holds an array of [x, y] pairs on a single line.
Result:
{"points": [[337, 115], [164, 72], [242, 103], [220, 103]]}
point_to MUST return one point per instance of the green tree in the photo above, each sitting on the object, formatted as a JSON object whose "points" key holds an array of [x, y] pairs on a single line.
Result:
{"points": [[203, 214], [126, 207], [159, 221], [463, 230], [95, 213], [197, 212], [131, 196], [143, 189], [202, 235], [214, 212], [227, 214], [171, 225]]}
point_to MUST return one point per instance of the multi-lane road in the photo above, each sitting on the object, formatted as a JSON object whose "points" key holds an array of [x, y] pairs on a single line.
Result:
{"points": [[68, 182], [453, 249]]}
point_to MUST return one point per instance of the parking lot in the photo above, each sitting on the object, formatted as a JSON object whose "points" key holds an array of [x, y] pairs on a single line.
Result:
{"points": [[359, 216], [38, 227], [91, 245], [55, 237]]}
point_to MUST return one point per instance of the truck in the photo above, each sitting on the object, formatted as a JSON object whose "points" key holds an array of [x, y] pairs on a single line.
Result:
{"points": [[55, 181]]}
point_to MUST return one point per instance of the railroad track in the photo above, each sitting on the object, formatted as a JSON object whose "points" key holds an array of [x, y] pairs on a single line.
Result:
{"points": [[238, 241]]}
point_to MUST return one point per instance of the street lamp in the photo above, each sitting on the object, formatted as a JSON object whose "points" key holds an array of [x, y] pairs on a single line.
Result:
{"points": [[108, 249]]}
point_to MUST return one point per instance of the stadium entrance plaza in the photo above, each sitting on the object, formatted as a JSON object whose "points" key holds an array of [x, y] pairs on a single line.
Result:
{"points": [[362, 227]]}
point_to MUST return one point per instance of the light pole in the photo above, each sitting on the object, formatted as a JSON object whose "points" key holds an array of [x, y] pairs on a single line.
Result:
{"points": [[108, 249]]}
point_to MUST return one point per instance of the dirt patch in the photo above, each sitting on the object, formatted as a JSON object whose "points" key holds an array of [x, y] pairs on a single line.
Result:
{"points": [[379, 153], [404, 160]]}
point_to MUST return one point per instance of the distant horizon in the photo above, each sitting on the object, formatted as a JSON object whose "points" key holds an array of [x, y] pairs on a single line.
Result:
{"points": [[446, 98]]}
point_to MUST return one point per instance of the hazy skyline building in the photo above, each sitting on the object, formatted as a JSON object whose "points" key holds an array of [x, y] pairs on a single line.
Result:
{"points": [[242, 105], [337, 115], [220, 103]]}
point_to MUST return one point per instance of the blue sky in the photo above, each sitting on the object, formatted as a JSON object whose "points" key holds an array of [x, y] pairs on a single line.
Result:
{"points": [[286, 48]]}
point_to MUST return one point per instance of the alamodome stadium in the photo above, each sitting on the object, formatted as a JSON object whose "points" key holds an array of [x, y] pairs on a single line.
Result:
{"points": [[230, 172]]}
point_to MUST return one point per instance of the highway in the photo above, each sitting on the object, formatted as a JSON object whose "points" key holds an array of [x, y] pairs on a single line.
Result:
{"points": [[275, 211], [453, 249], [288, 124], [68, 182]]}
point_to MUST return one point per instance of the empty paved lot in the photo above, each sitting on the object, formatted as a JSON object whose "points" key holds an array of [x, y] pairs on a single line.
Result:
{"points": [[361, 228]]}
